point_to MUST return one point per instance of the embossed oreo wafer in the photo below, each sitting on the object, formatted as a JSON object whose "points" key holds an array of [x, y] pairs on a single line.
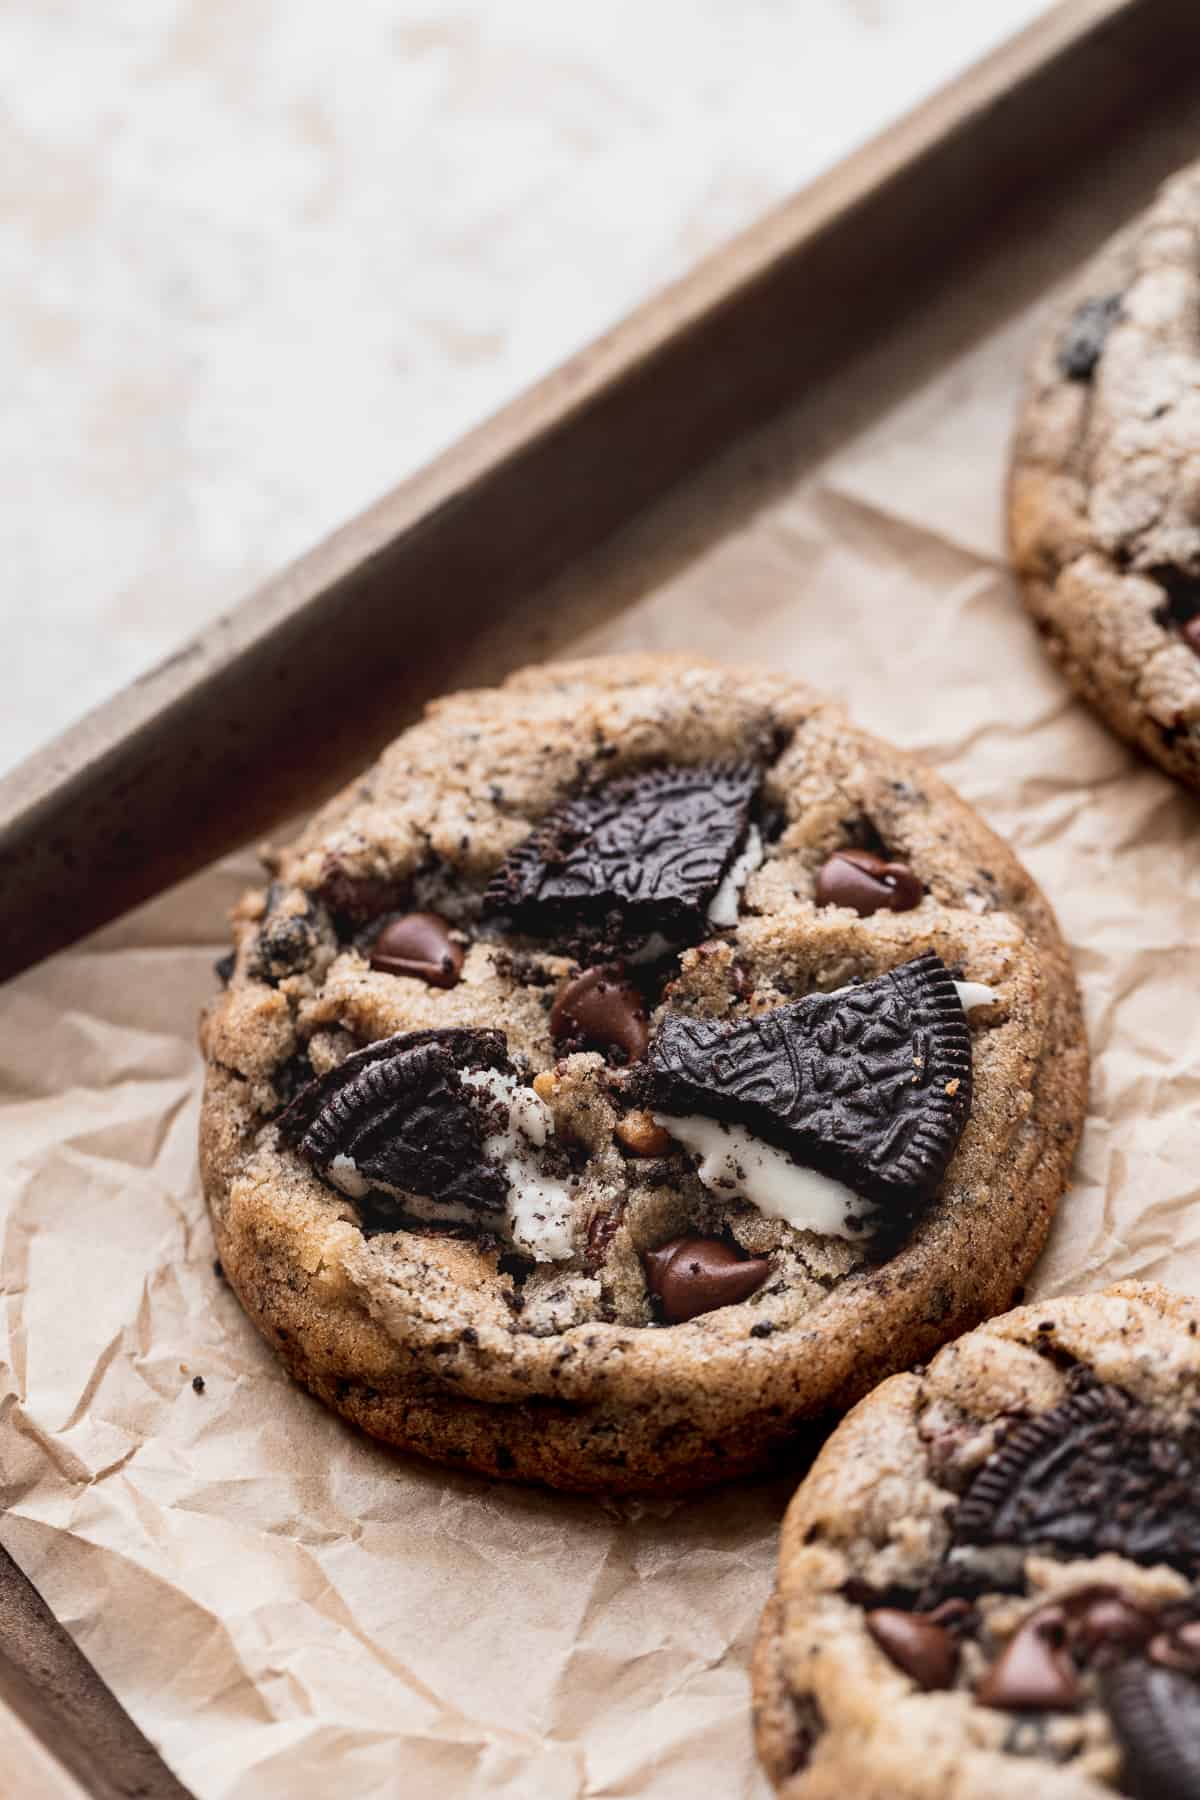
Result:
{"points": [[658, 1061], [1097, 1473], [870, 1085], [648, 851], [1155, 1714], [1015, 1528]]}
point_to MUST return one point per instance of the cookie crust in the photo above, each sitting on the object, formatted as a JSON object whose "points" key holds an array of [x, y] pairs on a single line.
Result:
{"points": [[1104, 487], [410, 1334], [833, 1714]]}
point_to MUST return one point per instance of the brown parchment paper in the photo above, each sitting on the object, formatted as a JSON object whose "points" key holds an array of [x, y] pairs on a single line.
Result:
{"points": [[287, 1608]]}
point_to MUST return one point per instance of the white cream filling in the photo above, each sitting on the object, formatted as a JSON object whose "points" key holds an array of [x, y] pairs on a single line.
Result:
{"points": [[540, 1209], [973, 993], [735, 1163], [723, 907], [655, 946], [970, 993]]}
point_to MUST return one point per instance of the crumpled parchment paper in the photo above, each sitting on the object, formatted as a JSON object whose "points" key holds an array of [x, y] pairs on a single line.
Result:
{"points": [[290, 1610]]}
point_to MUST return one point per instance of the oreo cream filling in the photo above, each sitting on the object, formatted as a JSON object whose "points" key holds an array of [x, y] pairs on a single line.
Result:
{"points": [[723, 907]]}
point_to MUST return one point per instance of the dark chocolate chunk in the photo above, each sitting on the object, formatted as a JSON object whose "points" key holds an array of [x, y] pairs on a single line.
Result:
{"points": [[870, 1085], [224, 966], [918, 1645], [1181, 591], [601, 1010], [418, 945], [1034, 1672], [1155, 1715], [651, 849], [401, 1113], [867, 883], [696, 1275], [1082, 343], [1096, 1473]]}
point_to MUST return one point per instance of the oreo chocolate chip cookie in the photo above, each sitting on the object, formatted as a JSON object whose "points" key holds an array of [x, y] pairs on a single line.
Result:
{"points": [[567, 1117], [990, 1579], [1104, 497]]}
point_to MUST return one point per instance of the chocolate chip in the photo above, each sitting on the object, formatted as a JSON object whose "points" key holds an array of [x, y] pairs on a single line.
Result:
{"points": [[697, 1275], [1155, 1715], [1181, 603], [224, 966], [197, 1384], [1105, 1625], [1034, 1673], [1178, 1649], [1191, 634], [399, 1111], [650, 849], [1096, 1473], [1082, 343], [867, 883], [602, 1229], [871, 1085], [917, 1644], [601, 1010], [418, 945]]}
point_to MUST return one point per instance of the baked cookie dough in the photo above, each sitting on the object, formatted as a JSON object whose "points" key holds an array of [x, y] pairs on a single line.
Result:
{"points": [[638, 1061], [988, 1580], [1104, 496]]}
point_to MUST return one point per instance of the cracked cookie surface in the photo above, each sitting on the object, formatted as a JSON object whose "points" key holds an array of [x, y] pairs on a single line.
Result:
{"points": [[615, 1278], [1104, 495], [988, 1582]]}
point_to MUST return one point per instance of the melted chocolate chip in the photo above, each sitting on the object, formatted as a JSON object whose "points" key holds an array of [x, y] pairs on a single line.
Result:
{"points": [[917, 1644], [1096, 1473], [691, 1276], [867, 883], [418, 945], [650, 849], [1082, 343], [1034, 1672], [601, 1010], [871, 1085], [1155, 1715], [399, 1111]]}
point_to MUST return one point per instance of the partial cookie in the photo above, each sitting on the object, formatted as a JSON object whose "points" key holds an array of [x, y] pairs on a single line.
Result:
{"points": [[1104, 498], [637, 1062], [989, 1583]]}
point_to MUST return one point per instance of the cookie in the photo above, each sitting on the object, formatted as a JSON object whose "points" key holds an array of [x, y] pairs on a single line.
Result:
{"points": [[989, 1582], [637, 1062], [1104, 496]]}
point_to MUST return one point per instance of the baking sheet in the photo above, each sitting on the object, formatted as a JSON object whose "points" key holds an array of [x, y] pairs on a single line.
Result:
{"points": [[291, 1610]]}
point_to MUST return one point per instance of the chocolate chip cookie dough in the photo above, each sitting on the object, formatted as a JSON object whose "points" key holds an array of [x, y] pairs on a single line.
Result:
{"points": [[638, 1061], [988, 1580], [1104, 498]]}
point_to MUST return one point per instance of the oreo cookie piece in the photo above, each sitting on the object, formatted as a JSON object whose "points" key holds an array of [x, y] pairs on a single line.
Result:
{"points": [[1097, 1473], [642, 855], [1155, 1714], [1082, 343], [870, 1085], [397, 1117]]}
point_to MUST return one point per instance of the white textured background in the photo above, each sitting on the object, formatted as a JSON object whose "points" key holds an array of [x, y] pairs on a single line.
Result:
{"points": [[261, 258]]}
